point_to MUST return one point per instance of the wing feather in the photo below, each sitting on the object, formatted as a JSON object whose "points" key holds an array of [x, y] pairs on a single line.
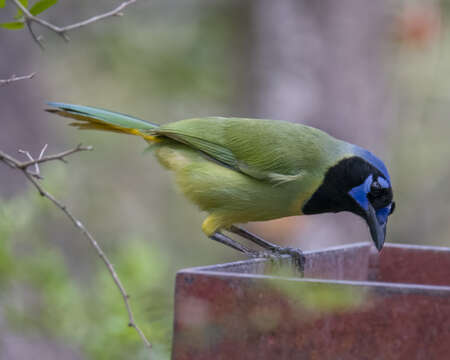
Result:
{"points": [[268, 150]]}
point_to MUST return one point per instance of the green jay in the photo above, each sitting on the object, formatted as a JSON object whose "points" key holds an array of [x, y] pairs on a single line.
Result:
{"points": [[240, 170]]}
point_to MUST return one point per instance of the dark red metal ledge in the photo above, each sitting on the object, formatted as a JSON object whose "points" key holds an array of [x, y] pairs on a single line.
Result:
{"points": [[351, 304]]}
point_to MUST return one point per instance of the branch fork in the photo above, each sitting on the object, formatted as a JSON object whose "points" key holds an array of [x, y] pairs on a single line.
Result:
{"points": [[62, 31]]}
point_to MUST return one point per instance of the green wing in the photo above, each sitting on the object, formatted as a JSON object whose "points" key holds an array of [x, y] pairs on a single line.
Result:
{"points": [[270, 150]]}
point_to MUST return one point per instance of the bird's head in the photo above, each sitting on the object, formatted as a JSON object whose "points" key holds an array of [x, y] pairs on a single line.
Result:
{"points": [[360, 184]]}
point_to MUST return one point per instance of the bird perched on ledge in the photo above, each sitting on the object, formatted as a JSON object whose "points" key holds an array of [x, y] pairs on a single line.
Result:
{"points": [[240, 170]]}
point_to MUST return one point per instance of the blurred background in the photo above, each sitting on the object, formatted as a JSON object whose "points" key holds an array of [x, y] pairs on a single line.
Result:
{"points": [[374, 73]]}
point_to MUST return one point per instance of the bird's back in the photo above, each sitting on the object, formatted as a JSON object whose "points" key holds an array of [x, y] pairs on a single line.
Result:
{"points": [[258, 147]]}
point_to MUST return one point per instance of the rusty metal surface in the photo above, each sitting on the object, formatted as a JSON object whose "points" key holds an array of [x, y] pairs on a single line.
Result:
{"points": [[240, 311], [414, 264]]}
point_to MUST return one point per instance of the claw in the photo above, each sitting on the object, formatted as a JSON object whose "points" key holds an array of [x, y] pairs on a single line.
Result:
{"points": [[297, 257]]}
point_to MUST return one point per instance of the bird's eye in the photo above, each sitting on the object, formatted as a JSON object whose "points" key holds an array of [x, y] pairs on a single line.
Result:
{"points": [[376, 188], [379, 195]]}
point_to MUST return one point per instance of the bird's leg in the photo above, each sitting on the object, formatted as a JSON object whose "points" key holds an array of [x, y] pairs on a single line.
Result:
{"points": [[296, 254], [223, 239]]}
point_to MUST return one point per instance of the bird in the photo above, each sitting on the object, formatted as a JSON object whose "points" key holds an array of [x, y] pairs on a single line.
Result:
{"points": [[240, 170]]}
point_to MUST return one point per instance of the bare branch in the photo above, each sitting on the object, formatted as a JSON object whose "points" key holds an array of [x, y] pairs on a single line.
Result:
{"points": [[62, 30], [61, 156], [37, 39], [43, 151], [15, 78], [23, 166], [8, 160], [37, 172], [114, 12]]}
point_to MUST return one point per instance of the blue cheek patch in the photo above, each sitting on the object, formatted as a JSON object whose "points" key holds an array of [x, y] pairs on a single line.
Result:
{"points": [[359, 193], [383, 214], [383, 183]]}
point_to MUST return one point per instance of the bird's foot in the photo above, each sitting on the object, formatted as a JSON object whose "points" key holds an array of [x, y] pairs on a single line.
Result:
{"points": [[254, 254], [265, 254], [297, 255], [274, 255]]}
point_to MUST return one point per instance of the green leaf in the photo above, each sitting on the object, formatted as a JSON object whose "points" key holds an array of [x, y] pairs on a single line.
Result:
{"points": [[2, 3], [13, 25], [41, 6], [19, 12]]}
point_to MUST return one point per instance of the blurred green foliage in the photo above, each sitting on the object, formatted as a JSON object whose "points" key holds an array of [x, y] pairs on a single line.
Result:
{"points": [[37, 8], [88, 313]]}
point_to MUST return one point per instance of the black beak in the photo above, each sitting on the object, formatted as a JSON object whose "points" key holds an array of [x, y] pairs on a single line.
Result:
{"points": [[377, 230]]}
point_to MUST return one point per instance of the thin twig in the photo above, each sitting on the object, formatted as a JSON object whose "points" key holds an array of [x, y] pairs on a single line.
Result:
{"points": [[62, 30], [37, 171], [61, 156], [36, 38], [42, 152], [14, 78], [23, 166]]}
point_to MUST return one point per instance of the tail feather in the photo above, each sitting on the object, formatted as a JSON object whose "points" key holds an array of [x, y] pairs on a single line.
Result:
{"points": [[90, 118], [95, 126]]}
